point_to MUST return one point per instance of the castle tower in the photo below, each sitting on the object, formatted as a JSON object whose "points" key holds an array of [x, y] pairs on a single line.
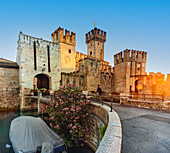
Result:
{"points": [[129, 66], [67, 45], [95, 40]]}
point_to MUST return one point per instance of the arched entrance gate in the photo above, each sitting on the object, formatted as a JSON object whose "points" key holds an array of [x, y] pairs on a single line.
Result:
{"points": [[41, 81]]}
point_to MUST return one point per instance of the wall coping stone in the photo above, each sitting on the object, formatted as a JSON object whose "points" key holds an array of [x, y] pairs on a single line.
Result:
{"points": [[112, 140]]}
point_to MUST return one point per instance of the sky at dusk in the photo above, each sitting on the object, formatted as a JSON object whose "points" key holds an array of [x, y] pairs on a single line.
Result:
{"points": [[133, 24]]}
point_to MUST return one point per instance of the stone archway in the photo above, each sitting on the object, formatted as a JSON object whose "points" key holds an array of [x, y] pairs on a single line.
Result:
{"points": [[41, 81]]}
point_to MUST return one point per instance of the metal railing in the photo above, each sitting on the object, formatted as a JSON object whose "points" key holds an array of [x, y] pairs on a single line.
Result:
{"points": [[97, 100]]}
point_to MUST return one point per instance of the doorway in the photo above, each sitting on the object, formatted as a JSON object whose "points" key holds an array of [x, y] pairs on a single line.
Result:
{"points": [[41, 81]]}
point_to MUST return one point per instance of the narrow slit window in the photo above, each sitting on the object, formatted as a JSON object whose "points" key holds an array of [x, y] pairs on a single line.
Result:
{"points": [[48, 52], [35, 60], [69, 51], [90, 52]]}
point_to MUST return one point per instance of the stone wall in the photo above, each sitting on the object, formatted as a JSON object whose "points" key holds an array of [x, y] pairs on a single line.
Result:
{"points": [[106, 80], [111, 142], [124, 100], [129, 65], [155, 83], [9, 89], [28, 69], [67, 42], [89, 75], [120, 77], [95, 40], [98, 118]]}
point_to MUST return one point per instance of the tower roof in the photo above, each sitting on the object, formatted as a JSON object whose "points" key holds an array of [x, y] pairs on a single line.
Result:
{"points": [[8, 64]]}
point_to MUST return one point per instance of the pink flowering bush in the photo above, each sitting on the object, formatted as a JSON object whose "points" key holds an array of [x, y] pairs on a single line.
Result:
{"points": [[68, 114]]}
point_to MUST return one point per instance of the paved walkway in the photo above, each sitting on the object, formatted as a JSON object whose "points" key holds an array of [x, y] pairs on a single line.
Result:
{"points": [[144, 130]]}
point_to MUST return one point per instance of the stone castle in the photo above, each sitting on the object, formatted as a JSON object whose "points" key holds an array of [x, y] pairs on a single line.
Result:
{"points": [[51, 64]]}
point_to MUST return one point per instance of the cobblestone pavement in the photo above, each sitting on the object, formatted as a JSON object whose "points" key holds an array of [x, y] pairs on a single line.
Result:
{"points": [[144, 130]]}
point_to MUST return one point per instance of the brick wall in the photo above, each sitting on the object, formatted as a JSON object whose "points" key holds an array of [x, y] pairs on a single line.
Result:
{"points": [[9, 89]]}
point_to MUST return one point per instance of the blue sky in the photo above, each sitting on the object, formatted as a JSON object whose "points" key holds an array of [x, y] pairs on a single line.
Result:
{"points": [[134, 24]]}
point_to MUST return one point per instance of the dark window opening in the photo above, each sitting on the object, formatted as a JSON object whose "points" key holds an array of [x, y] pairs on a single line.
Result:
{"points": [[131, 65], [101, 54], [48, 52], [91, 44], [35, 60], [90, 52], [69, 51], [138, 68], [130, 88], [98, 43]]}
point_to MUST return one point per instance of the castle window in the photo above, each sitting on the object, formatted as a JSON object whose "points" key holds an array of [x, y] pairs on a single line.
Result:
{"points": [[69, 50], [138, 68], [91, 44], [35, 60], [90, 52], [48, 53], [98, 43]]}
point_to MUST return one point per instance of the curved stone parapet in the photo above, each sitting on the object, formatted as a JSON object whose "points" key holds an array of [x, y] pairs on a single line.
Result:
{"points": [[112, 140]]}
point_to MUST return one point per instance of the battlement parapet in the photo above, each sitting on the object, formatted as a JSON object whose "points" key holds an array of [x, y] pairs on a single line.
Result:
{"points": [[151, 73], [30, 40], [96, 34], [168, 78], [80, 56], [130, 55], [158, 76], [59, 36]]}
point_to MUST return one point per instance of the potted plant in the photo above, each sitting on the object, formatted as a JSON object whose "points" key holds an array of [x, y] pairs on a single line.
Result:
{"points": [[47, 92], [35, 91], [43, 91]]}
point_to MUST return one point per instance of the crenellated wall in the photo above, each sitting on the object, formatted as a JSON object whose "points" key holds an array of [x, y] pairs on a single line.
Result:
{"points": [[155, 83], [95, 33], [105, 67], [95, 40], [32, 55], [89, 73], [67, 37], [130, 55], [128, 66], [67, 43]]}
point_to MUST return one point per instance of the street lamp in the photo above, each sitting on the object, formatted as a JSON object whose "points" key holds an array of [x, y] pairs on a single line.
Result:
{"points": [[43, 69]]}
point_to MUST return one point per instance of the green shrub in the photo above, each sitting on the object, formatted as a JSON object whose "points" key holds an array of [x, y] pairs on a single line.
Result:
{"points": [[68, 114], [102, 131]]}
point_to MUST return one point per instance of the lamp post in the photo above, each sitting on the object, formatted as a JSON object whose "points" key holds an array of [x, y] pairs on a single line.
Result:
{"points": [[43, 69]]}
